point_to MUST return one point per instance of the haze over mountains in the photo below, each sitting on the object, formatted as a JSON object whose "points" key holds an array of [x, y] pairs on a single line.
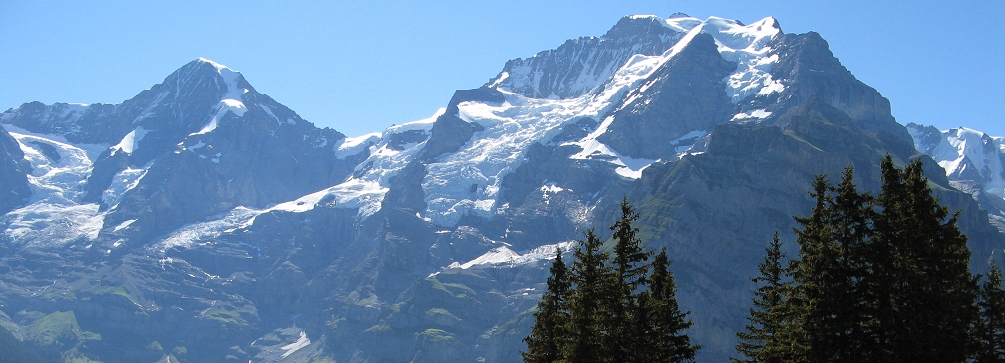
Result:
{"points": [[203, 221]]}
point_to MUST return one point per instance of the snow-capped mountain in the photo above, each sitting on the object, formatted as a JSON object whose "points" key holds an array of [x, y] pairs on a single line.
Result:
{"points": [[974, 162], [203, 221], [198, 144]]}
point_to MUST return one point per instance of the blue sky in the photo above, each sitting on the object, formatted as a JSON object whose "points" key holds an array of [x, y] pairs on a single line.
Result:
{"points": [[359, 67]]}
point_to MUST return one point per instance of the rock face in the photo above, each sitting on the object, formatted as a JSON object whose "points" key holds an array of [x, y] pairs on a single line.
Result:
{"points": [[202, 221], [684, 95], [14, 171], [581, 65]]}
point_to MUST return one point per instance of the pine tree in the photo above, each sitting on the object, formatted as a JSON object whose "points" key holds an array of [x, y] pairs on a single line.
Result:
{"points": [[668, 322], [547, 337], [627, 317], [990, 329], [590, 276], [768, 335]]}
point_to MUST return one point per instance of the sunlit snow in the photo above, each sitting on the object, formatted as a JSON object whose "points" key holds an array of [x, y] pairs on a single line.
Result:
{"points": [[749, 115], [231, 100], [506, 257], [354, 145], [122, 182], [53, 216], [962, 149], [295, 346], [131, 141]]}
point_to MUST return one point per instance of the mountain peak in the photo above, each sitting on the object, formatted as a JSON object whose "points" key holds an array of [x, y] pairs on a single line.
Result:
{"points": [[219, 67], [202, 68]]}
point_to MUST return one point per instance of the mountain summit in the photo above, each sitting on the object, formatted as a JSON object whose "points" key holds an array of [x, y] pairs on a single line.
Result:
{"points": [[203, 221]]}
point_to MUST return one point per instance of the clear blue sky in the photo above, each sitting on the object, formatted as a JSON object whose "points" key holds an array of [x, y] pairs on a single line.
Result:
{"points": [[361, 66]]}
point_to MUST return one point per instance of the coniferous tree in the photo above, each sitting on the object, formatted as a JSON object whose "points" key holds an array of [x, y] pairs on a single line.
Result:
{"points": [[590, 276], [819, 279], [833, 265], [668, 322], [608, 310], [882, 279], [769, 332], [547, 337], [627, 317], [990, 329], [923, 272], [851, 233]]}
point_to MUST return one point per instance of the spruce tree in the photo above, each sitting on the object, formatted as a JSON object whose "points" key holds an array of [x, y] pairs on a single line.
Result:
{"points": [[882, 279], [548, 336], [851, 233], [608, 310], [590, 276], [990, 329], [668, 322], [925, 296], [829, 275], [768, 334], [818, 278], [627, 316]]}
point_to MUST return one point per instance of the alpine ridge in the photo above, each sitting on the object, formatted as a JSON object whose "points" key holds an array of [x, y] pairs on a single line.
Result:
{"points": [[203, 221]]}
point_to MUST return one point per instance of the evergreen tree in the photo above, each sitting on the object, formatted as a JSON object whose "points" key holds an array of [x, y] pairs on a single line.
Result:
{"points": [[668, 322], [607, 309], [990, 329], [881, 279], [590, 276], [922, 271], [820, 279], [831, 273], [768, 335], [627, 318], [547, 337]]}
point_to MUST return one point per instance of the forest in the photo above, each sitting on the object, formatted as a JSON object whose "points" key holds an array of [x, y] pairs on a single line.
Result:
{"points": [[878, 278]]}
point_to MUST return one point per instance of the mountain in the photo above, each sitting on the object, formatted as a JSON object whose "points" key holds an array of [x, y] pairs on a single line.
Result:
{"points": [[974, 162], [202, 221]]}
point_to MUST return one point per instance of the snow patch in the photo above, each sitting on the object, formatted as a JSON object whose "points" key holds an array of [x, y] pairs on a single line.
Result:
{"points": [[364, 195], [131, 141], [231, 100], [593, 149], [354, 145], [122, 182], [551, 188], [295, 346], [504, 256], [123, 225], [753, 114]]}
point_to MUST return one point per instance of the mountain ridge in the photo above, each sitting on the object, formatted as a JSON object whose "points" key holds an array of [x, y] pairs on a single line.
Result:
{"points": [[260, 237]]}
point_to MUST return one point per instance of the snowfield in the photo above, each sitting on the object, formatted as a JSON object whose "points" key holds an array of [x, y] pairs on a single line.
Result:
{"points": [[465, 182]]}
